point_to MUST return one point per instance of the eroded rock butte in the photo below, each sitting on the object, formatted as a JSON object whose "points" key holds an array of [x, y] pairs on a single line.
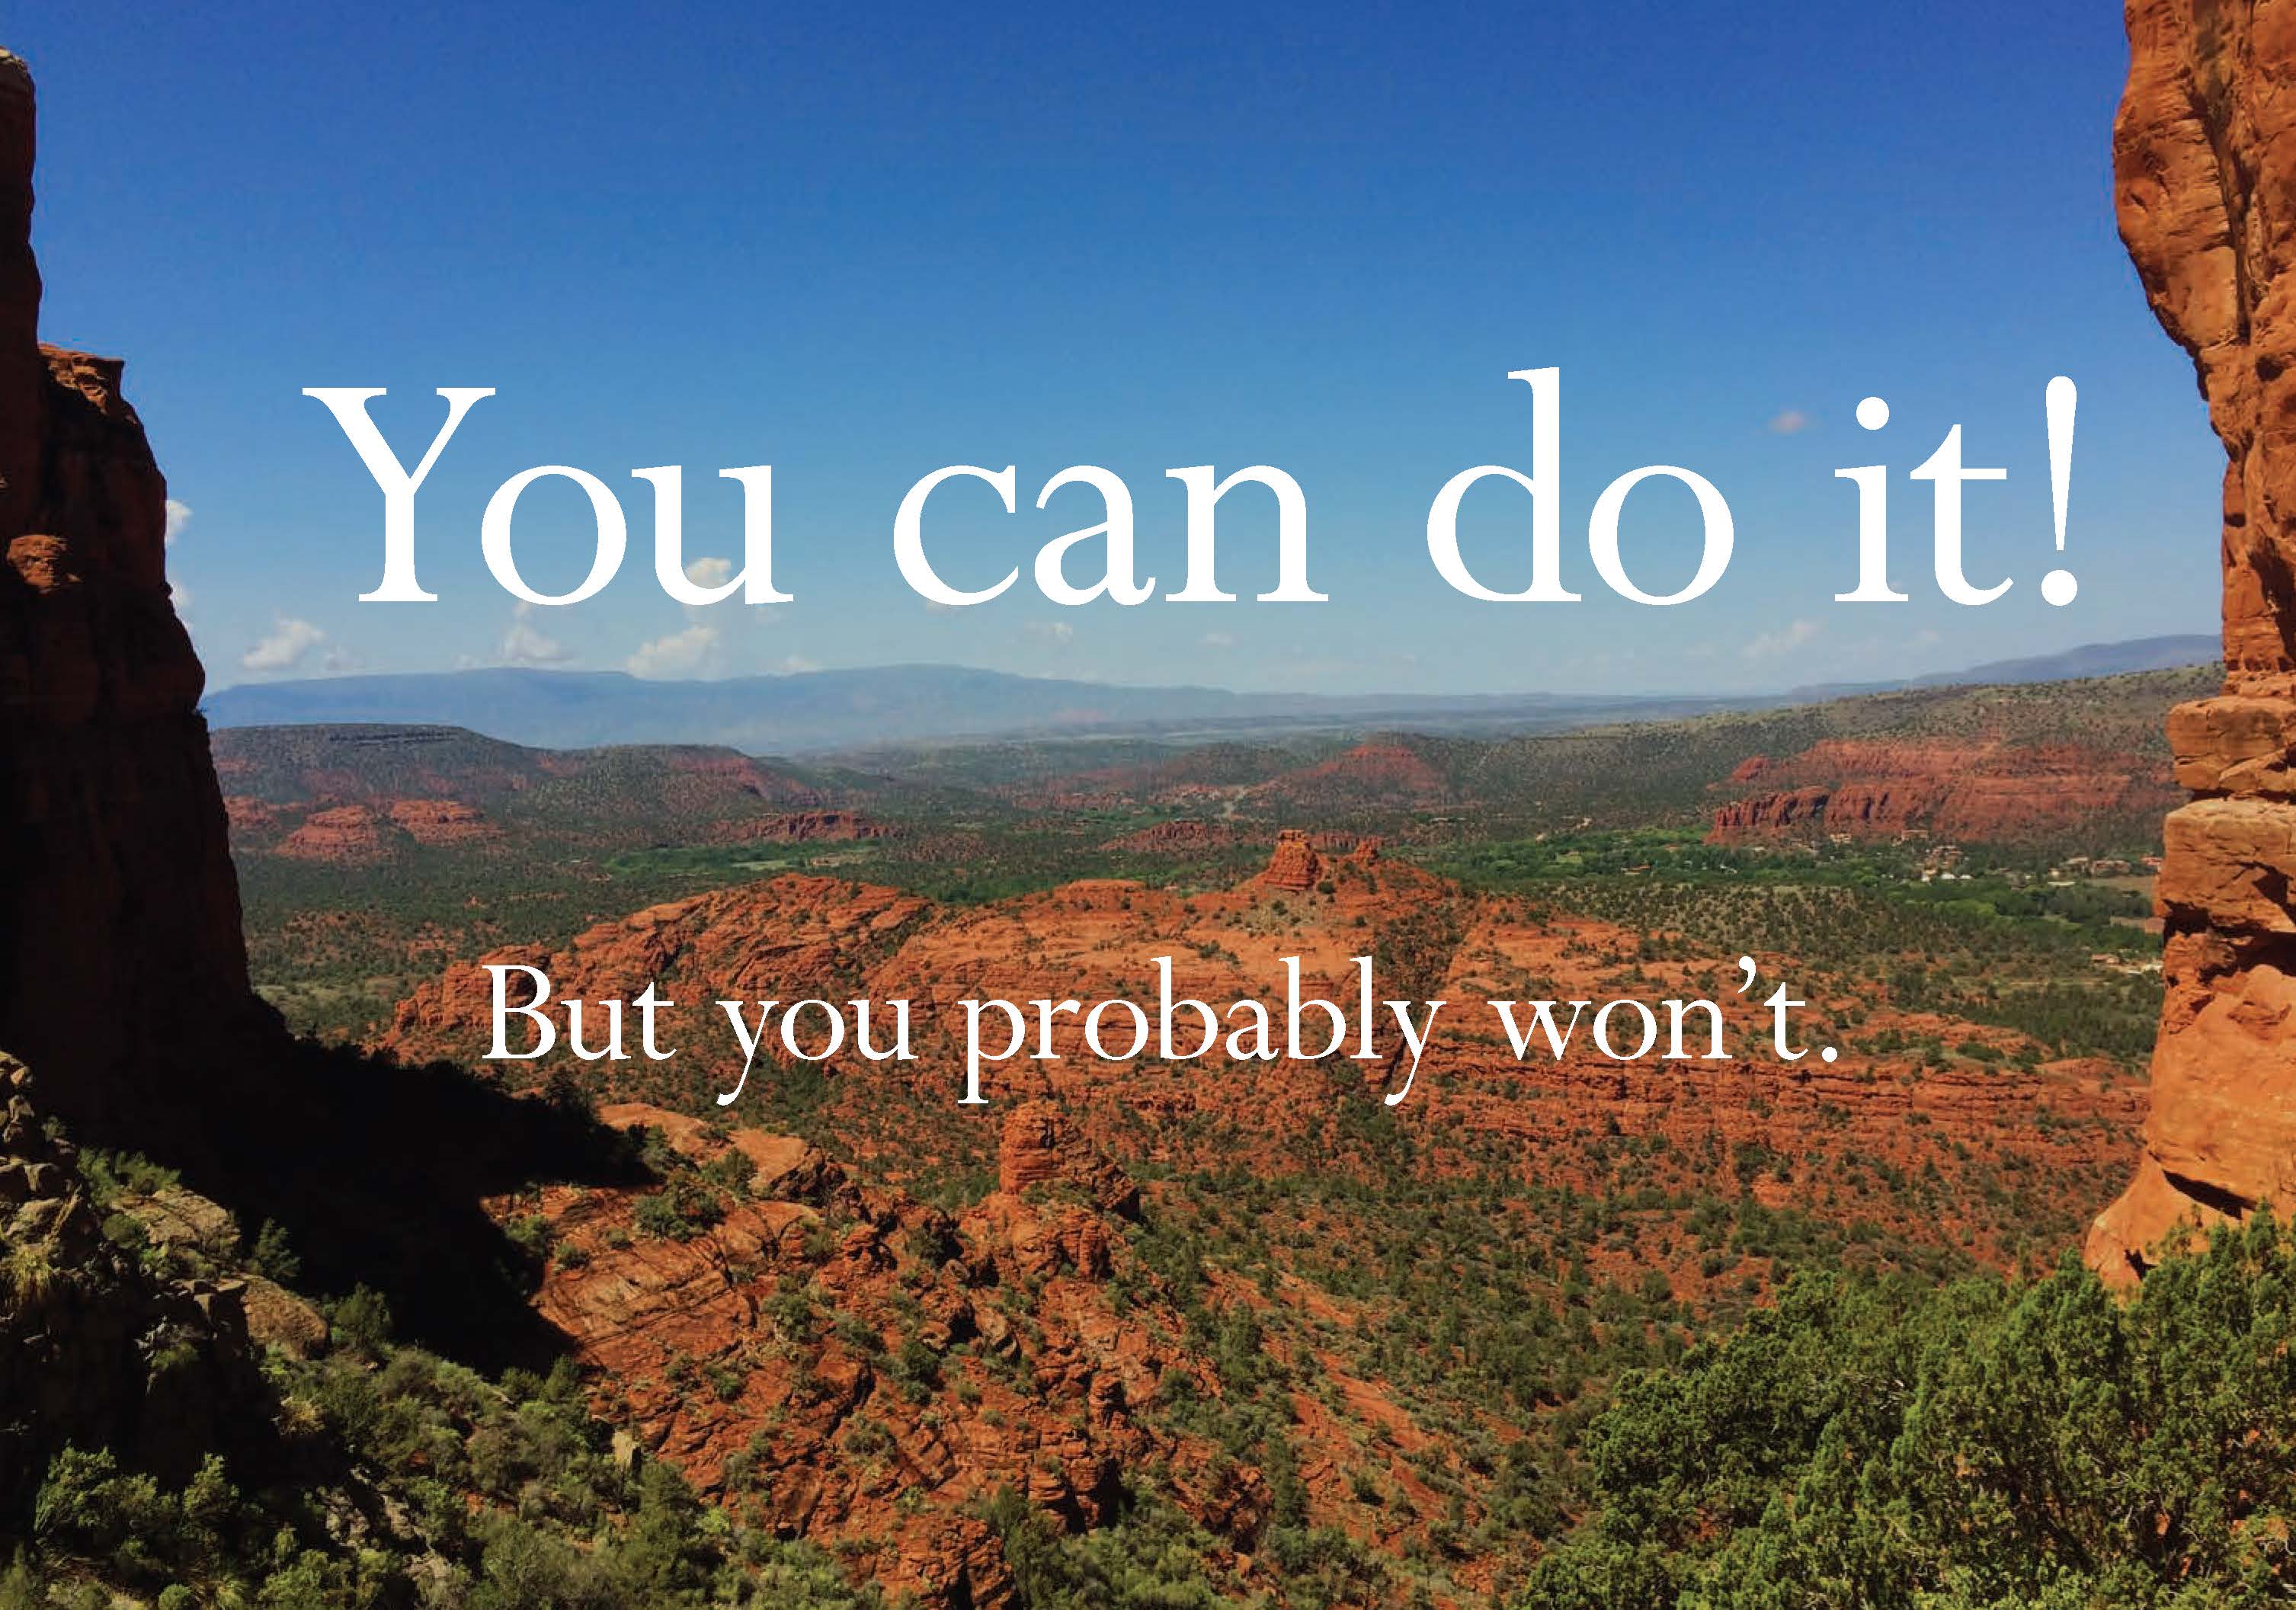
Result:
{"points": [[120, 940]]}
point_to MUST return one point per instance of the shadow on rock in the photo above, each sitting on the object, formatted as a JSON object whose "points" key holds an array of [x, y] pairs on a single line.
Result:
{"points": [[377, 1170]]}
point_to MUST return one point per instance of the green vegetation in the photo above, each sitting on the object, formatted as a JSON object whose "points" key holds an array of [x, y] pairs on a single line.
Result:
{"points": [[1994, 943], [371, 1474], [1543, 1363], [493, 1496], [956, 862], [581, 836], [1870, 1442]]}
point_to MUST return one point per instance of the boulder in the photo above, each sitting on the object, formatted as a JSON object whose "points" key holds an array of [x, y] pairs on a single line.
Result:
{"points": [[1041, 1146]]}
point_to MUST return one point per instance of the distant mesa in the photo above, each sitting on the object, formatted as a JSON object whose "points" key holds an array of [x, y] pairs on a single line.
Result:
{"points": [[803, 827], [440, 821], [342, 833], [1393, 773], [360, 833], [1981, 789], [362, 793]]}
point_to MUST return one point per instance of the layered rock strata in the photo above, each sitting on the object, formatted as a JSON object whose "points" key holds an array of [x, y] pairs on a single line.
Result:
{"points": [[2204, 152], [119, 921]]}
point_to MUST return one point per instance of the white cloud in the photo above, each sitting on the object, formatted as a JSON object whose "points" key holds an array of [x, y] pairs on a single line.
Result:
{"points": [[1787, 638], [526, 644], [679, 654], [1219, 640], [794, 664], [290, 641], [1050, 631], [1789, 421], [179, 515], [709, 572]]}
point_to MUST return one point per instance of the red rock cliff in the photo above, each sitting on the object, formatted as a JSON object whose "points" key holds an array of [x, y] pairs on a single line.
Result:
{"points": [[2204, 152], [119, 929]]}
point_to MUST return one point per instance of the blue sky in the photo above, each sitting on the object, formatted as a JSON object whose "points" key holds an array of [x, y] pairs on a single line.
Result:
{"points": [[860, 245]]}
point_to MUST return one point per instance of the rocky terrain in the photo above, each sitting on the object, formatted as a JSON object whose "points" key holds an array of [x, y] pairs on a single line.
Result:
{"points": [[842, 1361], [120, 942], [797, 937], [1170, 1329], [358, 794], [2002, 1148], [2205, 183], [1982, 792], [94, 1351], [805, 827]]}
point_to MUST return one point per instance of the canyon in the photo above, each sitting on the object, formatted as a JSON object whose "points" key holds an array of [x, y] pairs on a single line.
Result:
{"points": [[1089, 1163], [850, 1313]]}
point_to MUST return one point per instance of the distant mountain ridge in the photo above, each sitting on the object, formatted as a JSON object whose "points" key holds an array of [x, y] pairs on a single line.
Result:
{"points": [[814, 711], [818, 711], [2093, 660], [2170, 653]]}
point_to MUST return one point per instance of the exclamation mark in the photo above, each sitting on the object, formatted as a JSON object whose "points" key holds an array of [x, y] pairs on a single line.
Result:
{"points": [[2058, 587]]}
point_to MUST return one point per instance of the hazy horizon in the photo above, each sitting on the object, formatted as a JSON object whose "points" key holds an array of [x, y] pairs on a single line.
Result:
{"points": [[1178, 681]]}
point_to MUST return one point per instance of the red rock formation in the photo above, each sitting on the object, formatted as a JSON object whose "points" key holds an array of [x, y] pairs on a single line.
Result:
{"points": [[119, 932], [249, 814], [358, 833], [1294, 865], [1180, 836], [431, 821], [805, 1428], [1979, 789], [1768, 815], [725, 767], [803, 827], [787, 939], [1383, 774], [2204, 158], [344, 833], [794, 937], [689, 1333], [1040, 1146]]}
